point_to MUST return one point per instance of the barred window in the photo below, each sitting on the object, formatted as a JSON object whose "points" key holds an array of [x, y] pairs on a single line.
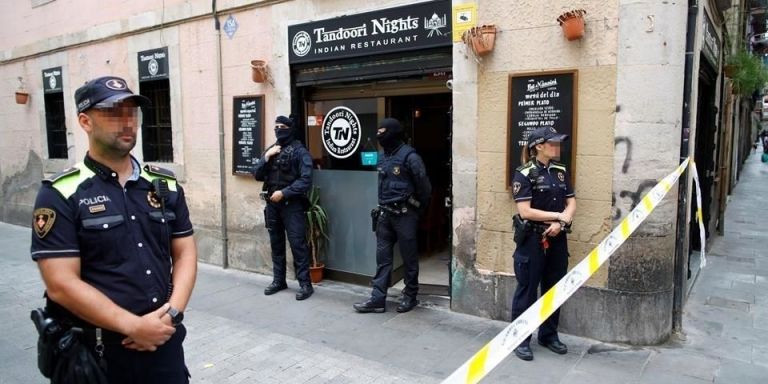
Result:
{"points": [[55, 125], [156, 132]]}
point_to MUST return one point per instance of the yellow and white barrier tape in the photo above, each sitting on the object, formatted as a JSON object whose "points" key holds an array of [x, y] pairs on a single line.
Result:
{"points": [[496, 350], [699, 215]]}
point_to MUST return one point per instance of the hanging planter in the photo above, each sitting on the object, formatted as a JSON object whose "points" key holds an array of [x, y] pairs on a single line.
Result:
{"points": [[480, 39], [21, 97], [572, 23], [258, 71]]}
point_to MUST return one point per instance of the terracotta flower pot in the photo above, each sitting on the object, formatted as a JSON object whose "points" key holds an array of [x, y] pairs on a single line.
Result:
{"points": [[22, 97], [572, 23], [316, 273], [258, 71], [480, 39]]}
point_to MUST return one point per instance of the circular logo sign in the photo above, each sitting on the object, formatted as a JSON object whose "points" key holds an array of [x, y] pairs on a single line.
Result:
{"points": [[341, 132], [52, 82], [153, 67], [301, 43], [115, 85]]}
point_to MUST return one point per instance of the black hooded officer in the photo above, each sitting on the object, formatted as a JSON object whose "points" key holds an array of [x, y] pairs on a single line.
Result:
{"points": [[404, 192], [286, 170]]}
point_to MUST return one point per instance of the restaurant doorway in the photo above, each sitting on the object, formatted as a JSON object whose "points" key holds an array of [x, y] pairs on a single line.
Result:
{"points": [[349, 186]]}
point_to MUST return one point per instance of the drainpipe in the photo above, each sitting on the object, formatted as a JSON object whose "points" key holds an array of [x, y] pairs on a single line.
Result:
{"points": [[681, 248], [222, 163]]}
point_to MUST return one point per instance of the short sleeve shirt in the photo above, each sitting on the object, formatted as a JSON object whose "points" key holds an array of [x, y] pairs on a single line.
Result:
{"points": [[547, 187], [121, 234]]}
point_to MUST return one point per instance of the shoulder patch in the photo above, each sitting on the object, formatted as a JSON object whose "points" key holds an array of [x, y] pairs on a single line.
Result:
{"points": [[526, 168], [155, 170], [61, 175], [556, 165]]}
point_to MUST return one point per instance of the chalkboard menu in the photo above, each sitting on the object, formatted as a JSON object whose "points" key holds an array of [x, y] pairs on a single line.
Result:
{"points": [[247, 132], [543, 99]]}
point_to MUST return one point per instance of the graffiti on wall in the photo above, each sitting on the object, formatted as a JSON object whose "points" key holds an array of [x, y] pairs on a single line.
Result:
{"points": [[633, 197]]}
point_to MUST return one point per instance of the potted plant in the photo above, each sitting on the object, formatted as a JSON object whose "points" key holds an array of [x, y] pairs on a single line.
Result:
{"points": [[747, 72], [22, 96], [258, 71], [480, 39], [317, 233], [572, 23]]}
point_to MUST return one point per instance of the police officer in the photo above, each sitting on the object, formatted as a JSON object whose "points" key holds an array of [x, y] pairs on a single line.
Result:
{"points": [[544, 196], [404, 192], [114, 245], [286, 170]]}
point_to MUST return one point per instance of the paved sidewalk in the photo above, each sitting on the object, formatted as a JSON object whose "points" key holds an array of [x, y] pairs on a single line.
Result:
{"points": [[238, 335]]}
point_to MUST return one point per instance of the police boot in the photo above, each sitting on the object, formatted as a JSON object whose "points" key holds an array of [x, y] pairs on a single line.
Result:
{"points": [[555, 346], [305, 291], [523, 352], [275, 287], [407, 303], [369, 306]]}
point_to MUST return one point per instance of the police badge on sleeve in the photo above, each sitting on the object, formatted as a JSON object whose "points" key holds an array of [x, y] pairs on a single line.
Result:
{"points": [[43, 221], [515, 188]]}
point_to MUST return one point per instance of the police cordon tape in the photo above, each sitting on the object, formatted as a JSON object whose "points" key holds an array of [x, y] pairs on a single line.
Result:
{"points": [[496, 350]]}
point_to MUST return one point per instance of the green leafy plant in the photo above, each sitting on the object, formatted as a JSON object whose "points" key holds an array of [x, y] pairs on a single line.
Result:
{"points": [[317, 225], [747, 72]]}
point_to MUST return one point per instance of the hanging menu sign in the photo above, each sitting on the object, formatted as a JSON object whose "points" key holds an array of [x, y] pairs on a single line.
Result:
{"points": [[247, 132], [153, 64], [52, 80], [417, 26], [538, 100]]}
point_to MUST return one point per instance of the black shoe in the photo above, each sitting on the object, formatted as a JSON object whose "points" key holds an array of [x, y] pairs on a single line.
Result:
{"points": [[305, 292], [523, 352], [555, 346], [275, 287], [369, 306], [406, 304]]}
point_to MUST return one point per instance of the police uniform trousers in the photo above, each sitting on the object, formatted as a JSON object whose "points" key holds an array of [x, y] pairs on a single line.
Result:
{"points": [[288, 217], [402, 229], [165, 365], [536, 267]]}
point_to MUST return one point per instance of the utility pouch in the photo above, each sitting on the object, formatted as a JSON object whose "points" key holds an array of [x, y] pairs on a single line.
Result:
{"points": [[375, 213], [522, 227], [413, 202]]}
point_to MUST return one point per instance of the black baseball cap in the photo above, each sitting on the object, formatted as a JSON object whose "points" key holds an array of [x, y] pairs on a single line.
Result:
{"points": [[104, 92], [544, 134]]}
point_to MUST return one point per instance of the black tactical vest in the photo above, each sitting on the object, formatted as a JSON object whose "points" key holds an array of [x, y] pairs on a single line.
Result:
{"points": [[280, 171], [395, 178]]}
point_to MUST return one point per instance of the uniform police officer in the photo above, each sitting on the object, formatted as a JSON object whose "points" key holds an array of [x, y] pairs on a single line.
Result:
{"points": [[404, 192], [114, 245], [545, 198], [286, 170]]}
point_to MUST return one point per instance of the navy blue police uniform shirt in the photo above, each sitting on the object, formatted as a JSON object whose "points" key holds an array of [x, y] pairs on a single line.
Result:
{"points": [[547, 187], [119, 234]]}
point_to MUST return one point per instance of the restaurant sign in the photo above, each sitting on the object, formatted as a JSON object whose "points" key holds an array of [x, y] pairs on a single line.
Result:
{"points": [[418, 26]]}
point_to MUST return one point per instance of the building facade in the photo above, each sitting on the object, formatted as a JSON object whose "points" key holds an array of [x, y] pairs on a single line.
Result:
{"points": [[642, 89]]}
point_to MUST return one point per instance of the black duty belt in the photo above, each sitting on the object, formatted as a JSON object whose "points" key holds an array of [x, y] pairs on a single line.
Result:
{"points": [[396, 209], [91, 336], [538, 227]]}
